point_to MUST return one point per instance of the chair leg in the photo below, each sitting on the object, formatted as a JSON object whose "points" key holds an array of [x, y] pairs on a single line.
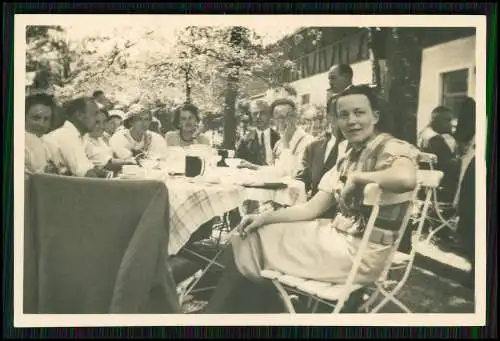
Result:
{"points": [[284, 297], [389, 296]]}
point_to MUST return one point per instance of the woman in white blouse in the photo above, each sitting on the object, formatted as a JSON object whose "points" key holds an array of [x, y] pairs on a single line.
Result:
{"points": [[38, 118], [135, 140], [98, 151]]}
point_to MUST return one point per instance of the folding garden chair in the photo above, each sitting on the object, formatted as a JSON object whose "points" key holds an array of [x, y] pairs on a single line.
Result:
{"points": [[427, 180], [221, 231], [438, 207], [336, 295]]}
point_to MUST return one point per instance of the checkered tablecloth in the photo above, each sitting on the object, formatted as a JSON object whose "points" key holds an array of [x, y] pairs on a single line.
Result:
{"points": [[194, 203]]}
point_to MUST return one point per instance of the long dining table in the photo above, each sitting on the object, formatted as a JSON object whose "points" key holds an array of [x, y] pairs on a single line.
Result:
{"points": [[195, 200]]}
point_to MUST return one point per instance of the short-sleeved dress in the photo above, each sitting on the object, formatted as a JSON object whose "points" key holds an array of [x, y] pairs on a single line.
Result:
{"points": [[317, 249]]}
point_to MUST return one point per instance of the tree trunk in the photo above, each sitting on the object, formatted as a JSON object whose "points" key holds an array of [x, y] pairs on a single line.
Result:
{"points": [[187, 74], [404, 62], [237, 37], [374, 57], [231, 94]]}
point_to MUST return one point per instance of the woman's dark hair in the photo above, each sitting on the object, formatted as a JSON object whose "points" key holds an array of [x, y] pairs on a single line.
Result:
{"points": [[185, 107], [41, 99], [466, 120], [385, 123]]}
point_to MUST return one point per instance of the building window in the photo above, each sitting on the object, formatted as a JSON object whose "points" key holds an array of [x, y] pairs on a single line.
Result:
{"points": [[454, 88], [305, 99]]}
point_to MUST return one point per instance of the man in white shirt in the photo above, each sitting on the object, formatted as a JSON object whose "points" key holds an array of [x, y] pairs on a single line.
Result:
{"points": [[67, 145], [257, 145], [290, 148]]}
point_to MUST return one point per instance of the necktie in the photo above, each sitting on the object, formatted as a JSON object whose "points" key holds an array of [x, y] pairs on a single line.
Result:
{"points": [[263, 149]]}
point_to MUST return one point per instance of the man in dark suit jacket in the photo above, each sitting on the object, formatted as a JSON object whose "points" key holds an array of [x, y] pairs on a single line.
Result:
{"points": [[319, 157], [257, 146]]}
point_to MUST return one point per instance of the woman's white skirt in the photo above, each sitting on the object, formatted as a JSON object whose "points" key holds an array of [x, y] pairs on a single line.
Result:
{"points": [[310, 249]]}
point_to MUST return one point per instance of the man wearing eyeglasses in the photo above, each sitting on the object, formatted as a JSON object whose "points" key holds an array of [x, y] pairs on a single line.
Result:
{"points": [[289, 149]]}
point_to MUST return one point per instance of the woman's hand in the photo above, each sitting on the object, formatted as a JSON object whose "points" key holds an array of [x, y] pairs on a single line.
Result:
{"points": [[344, 194], [249, 224]]}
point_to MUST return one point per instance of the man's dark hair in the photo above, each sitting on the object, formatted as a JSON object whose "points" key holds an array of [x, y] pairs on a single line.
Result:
{"points": [[97, 93], [76, 105], [466, 120], [345, 69], [185, 107], [441, 109], [42, 99]]}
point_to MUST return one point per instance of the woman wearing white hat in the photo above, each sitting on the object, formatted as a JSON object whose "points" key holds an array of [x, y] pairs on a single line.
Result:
{"points": [[135, 140], [114, 121]]}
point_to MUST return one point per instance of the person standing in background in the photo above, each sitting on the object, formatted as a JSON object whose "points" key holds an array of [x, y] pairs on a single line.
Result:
{"points": [[340, 79]]}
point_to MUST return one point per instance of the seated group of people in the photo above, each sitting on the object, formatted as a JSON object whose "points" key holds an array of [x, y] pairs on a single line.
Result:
{"points": [[92, 142]]}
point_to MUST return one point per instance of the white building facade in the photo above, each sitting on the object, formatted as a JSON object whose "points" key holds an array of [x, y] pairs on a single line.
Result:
{"points": [[447, 68], [447, 76]]}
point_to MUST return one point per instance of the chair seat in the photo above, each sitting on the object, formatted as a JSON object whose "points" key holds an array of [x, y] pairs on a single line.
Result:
{"points": [[182, 268], [325, 290]]}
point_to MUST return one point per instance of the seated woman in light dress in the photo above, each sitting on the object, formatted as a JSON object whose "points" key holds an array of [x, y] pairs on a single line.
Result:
{"points": [[38, 118], [135, 140], [186, 120], [98, 151], [295, 242]]}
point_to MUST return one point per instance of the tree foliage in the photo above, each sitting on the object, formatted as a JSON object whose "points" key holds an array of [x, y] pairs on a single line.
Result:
{"points": [[205, 64]]}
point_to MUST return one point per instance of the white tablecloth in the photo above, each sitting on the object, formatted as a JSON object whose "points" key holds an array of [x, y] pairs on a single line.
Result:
{"points": [[195, 201]]}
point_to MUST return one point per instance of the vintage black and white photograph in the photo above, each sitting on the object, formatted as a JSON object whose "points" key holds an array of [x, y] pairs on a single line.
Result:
{"points": [[250, 170]]}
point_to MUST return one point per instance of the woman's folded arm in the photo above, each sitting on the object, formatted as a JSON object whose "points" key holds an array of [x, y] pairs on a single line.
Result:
{"points": [[399, 178]]}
